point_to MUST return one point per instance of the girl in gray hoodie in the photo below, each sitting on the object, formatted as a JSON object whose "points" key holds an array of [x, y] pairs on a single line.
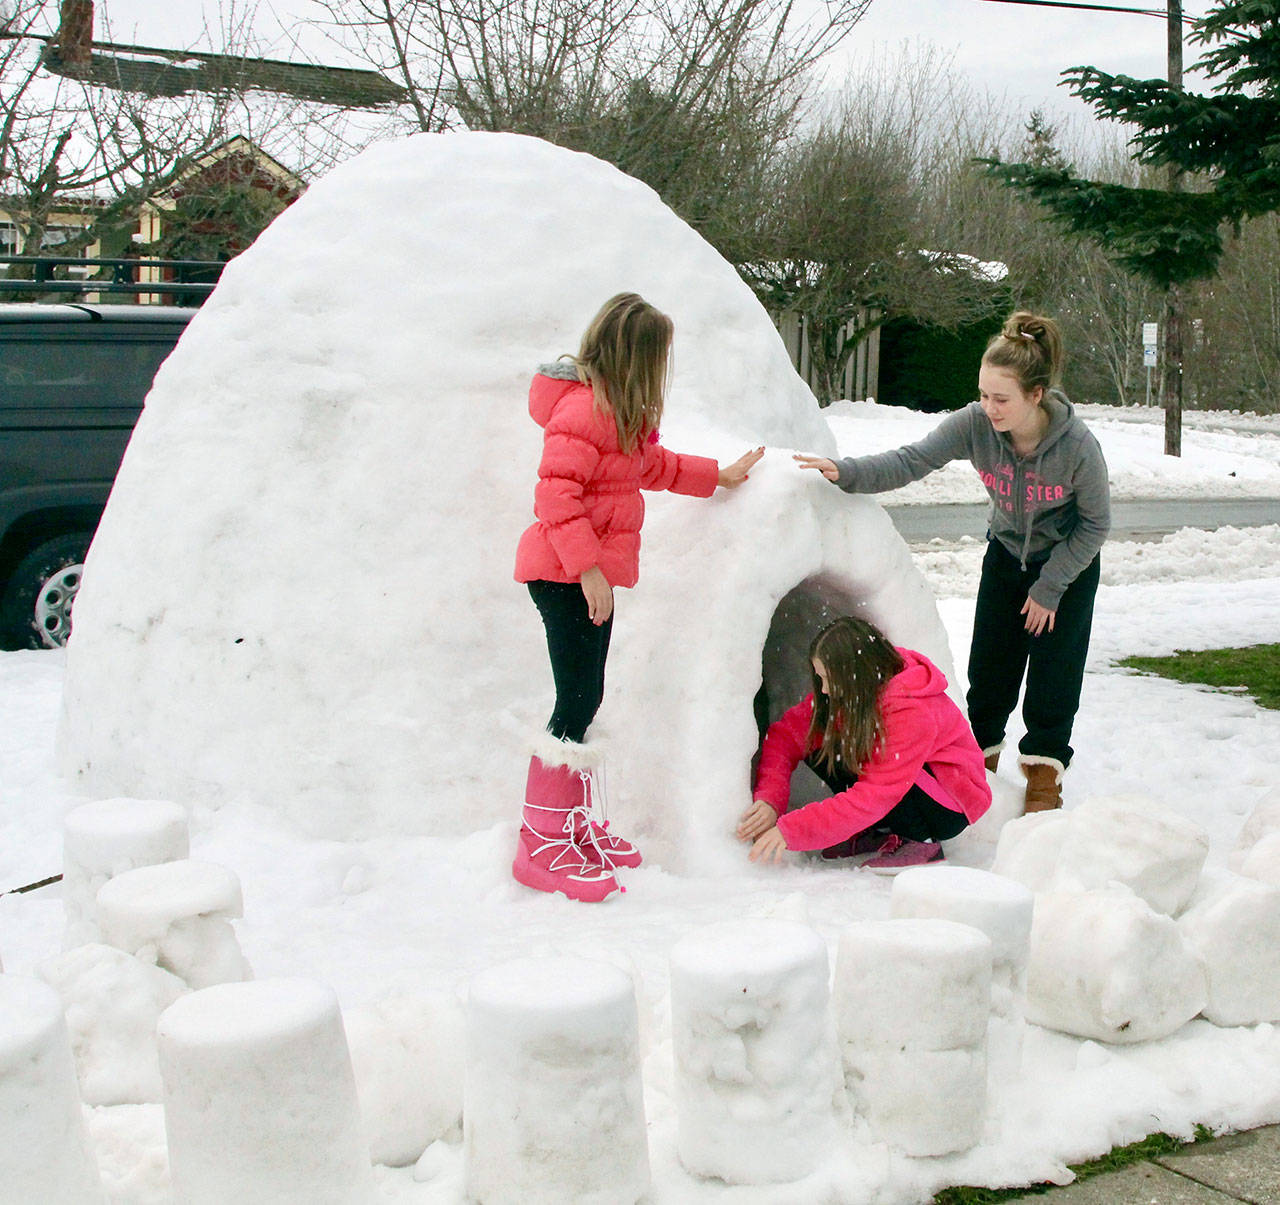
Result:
{"points": [[1050, 513]]}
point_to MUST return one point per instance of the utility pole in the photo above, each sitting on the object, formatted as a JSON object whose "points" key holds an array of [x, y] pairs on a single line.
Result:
{"points": [[1171, 376], [1170, 387]]}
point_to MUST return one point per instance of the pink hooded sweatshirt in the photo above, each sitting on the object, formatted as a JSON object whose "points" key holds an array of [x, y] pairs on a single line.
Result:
{"points": [[927, 742], [587, 500]]}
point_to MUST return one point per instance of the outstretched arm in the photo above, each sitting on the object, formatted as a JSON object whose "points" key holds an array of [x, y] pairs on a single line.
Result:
{"points": [[824, 466], [733, 475]]}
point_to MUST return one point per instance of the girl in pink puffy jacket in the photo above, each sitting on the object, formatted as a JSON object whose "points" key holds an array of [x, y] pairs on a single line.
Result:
{"points": [[599, 412], [897, 754]]}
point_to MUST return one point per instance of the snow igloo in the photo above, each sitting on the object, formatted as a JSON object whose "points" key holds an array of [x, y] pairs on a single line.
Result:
{"points": [[301, 591]]}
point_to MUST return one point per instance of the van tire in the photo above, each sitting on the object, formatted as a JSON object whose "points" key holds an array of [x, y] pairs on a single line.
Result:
{"points": [[35, 612]]}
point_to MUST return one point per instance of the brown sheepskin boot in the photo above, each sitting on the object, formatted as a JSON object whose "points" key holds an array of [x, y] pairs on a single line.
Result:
{"points": [[991, 759], [1044, 786]]}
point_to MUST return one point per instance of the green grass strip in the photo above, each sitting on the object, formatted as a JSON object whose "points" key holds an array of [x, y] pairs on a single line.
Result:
{"points": [[1153, 1146], [1254, 670]]}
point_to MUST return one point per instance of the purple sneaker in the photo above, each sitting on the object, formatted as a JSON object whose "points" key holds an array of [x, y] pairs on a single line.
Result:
{"points": [[868, 841], [896, 854]]}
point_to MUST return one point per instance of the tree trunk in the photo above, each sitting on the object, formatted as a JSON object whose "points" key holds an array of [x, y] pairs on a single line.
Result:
{"points": [[1173, 298]]}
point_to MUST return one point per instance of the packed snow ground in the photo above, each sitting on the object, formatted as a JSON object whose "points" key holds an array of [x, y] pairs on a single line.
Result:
{"points": [[384, 918]]}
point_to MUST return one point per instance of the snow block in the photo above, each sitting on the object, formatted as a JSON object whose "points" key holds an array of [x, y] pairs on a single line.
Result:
{"points": [[1029, 848], [990, 903], [112, 1002], [922, 984], [105, 838], [553, 1105], [45, 1154], [996, 906], [1262, 860], [755, 1065], [1233, 924], [175, 914], [1105, 965], [260, 1101], [407, 1056], [924, 1102], [912, 1002], [1137, 842], [1262, 824]]}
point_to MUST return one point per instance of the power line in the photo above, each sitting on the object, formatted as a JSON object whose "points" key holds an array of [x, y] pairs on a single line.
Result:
{"points": [[1102, 8]]}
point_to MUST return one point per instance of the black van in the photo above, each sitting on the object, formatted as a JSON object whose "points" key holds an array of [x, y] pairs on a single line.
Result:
{"points": [[72, 381]]}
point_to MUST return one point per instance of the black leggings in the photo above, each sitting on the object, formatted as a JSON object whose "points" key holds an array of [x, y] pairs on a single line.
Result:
{"points": [[1053, 662], [578, 650], [915, 817]]}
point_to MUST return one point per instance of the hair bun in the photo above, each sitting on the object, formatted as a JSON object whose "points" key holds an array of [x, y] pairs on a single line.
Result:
{"points": [[1024, 326]]}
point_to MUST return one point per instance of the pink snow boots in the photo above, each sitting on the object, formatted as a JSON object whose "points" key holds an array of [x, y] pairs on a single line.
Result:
{"points": [[561, 846]]}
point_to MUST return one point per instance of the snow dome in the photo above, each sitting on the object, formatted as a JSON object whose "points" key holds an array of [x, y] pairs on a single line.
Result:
{"points": [[301, 592]]}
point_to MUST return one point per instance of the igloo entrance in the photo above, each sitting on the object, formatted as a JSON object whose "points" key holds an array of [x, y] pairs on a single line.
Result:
{"points": [[784, 677]]}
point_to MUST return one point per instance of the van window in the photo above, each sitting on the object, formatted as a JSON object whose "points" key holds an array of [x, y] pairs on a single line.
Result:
{"points": [[72, 372]]}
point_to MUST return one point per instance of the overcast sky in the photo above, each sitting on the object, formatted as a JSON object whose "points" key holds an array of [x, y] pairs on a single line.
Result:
{"points": [[1015, 51]]}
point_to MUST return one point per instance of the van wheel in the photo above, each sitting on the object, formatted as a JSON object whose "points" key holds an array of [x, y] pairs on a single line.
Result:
{"points": [[36, 609]]}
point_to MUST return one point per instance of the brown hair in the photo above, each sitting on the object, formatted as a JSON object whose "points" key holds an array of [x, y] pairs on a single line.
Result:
{"points": [[623, 358], [1030, 347], [859, 660]]}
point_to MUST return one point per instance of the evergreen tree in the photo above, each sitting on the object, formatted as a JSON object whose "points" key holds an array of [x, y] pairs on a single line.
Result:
{"points": [[1229, 140]]}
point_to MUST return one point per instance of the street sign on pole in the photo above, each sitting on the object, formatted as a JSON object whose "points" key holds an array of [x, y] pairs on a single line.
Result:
{"points": [[1150, 341]]}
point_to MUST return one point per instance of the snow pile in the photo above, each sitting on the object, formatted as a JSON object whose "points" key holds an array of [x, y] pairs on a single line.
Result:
{"points": [[553, 1097], [755, 1064], [912, 998], [345, 473], [1233, 925], [260, 1102], [177, 915], [45, 1155], [1108, 959], [112, 1002], [106, 838]]}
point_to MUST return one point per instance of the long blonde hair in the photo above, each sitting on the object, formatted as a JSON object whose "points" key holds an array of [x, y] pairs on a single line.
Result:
{"points": [[1030, 347], [623, 358], [859, 660]]}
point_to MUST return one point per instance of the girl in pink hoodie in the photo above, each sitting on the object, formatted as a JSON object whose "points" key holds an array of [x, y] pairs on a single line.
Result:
{"points": [[599, 412], [880, 730]]}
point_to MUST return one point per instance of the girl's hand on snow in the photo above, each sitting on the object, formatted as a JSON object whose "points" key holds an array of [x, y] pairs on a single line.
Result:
{"points": [[1037, 617], [758, 818], [733, 475], [824, 466], [768, 848], [599, 595]]}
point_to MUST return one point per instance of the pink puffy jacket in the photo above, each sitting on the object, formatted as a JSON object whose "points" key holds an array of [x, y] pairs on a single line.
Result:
{"points": [[927, 742], [587, 500]]}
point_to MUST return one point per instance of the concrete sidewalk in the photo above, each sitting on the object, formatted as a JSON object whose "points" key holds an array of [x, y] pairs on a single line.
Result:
{"points": [[1222, 1171]]}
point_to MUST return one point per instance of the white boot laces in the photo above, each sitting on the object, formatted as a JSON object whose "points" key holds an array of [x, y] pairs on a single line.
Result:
{"points": [[568, 853], [592, 805]]}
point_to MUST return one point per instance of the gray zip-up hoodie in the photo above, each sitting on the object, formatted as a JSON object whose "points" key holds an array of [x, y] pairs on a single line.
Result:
{"points": [[1054, 505]]}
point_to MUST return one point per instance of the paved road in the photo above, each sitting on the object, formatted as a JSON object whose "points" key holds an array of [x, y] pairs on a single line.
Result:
{"points": [[1142, 520]]}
